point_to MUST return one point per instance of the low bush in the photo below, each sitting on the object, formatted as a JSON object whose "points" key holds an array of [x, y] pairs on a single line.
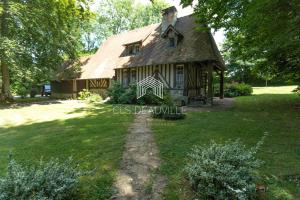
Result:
{"points": [[150, 99], [22, 92], [49, 180], [168, 112], [120, 95], [129, 95], [33, 92], [94, 98], [223, 171], [89, 96], [84, 94], [115, 92], [237, 89]]}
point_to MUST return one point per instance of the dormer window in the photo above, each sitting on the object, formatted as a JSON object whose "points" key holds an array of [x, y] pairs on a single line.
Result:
{"points": [[172, 36], [172, 42], [132, 49]]}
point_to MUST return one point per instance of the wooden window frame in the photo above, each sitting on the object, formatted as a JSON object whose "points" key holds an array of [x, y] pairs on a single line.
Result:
{"points": [[179, 82]]}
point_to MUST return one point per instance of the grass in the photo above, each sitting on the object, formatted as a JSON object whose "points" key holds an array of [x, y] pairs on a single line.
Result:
{"points": [[274, 90], [249, 119], [92, 135]]}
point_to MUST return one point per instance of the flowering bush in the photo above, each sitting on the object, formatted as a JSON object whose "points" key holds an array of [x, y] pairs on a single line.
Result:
{"points": [[223, 171], [50, 180], [84, 94]]}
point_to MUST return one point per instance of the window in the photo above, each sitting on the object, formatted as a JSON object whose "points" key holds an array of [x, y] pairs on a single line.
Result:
{"points": [[133, 76], [179, 78], [133, 49], [125, 78], [136, 48], [130, 50], [172, 42]]}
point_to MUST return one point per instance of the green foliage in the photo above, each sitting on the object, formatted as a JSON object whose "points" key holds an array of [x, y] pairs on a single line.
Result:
{"points": [[168, 112], [115, 92], [90, 97], [150, 99], [121, 95], [84, 94], [223, 171], [235, 89], [253, 37], [33, 92], [48, 180], [22, 91], [94, 98], [116, 16], [36, 37]]}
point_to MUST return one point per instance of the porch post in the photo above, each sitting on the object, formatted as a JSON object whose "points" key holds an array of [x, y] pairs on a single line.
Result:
{"points": [[222, 85], [74, 88], [210, 84]]}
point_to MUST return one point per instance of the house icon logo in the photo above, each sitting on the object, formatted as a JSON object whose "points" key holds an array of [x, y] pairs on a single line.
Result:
{"points": [[150, 83]]}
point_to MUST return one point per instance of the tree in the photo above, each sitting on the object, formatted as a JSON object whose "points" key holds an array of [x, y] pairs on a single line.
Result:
{"points": [[36, 37], [5, 90], [263, 32], [116, 16]]}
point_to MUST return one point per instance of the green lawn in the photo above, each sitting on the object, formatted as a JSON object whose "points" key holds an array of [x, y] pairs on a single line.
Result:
{"points": [[274, 90], [92, 135], [278, 115]]}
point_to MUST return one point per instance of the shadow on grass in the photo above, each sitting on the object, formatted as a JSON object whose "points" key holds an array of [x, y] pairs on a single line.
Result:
{"points": [[21, 103], [94, 140]]}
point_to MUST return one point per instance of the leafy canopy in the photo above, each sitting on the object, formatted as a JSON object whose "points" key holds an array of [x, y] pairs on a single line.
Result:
{"points": [[264, 33], [38, 36]]}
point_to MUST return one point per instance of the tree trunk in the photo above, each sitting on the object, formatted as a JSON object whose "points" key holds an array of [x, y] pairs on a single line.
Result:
{"points": [[5, 92]]}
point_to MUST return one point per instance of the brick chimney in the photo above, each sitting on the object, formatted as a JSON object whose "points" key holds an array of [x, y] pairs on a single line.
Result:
{"points": [[169, 17]]}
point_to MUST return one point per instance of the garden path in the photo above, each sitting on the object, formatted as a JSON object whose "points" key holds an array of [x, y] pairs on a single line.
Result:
{"points": [[139, 178]]}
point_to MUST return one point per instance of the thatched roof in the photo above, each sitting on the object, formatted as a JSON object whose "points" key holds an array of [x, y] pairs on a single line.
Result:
{"points": [[194, 47]]}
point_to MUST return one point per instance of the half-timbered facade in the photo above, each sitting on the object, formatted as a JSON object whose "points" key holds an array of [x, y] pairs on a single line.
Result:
{"points": [[179, 55]]}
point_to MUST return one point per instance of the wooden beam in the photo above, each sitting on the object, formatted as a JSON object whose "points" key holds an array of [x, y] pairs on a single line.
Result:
{"points": [[222, 85], [210, 83]]}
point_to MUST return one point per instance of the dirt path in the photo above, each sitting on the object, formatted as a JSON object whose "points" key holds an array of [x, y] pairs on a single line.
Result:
{"points": [[138, 178]]}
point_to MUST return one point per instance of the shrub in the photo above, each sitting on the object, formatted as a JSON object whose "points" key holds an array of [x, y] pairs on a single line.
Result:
{"points": [[50, 180], [22, 91], [168, 113], [94, 98], [223, 171], [84, 94], [129, 95], [115, 92], [33, 92], [236, 89], [120, 95]]}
